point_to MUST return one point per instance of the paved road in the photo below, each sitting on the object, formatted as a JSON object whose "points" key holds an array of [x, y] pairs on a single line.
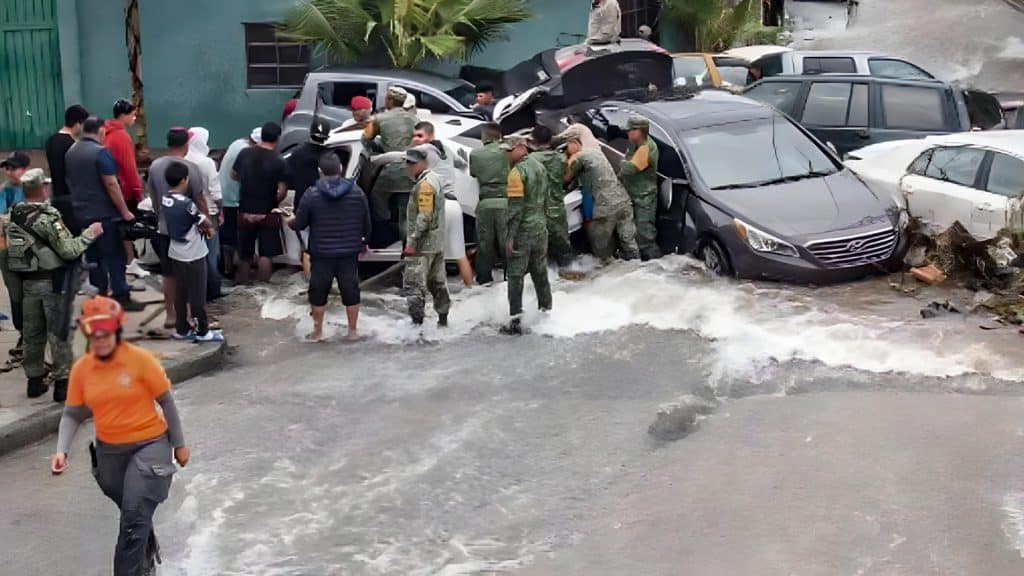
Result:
{"points": [[470, 453]]}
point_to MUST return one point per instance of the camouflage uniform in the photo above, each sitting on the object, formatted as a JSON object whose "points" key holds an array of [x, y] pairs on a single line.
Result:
{"points": [[389, 131], [425, 272], [490, 168], [613, 213], [528, 233], [638, 173], [40, 289], [559, 246]]}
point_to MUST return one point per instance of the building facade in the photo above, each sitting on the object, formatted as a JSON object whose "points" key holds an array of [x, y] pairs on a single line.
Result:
{"points": [[207, 63]]}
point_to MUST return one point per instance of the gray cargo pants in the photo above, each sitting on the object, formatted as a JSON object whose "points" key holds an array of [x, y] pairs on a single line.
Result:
{"points": [[137, 477]]}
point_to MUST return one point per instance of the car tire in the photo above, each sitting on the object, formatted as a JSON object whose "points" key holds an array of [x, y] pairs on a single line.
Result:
{"points": [[714, 257]]}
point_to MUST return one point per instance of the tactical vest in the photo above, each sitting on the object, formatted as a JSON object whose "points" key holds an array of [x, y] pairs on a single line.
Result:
{"points": [[27, 250]]}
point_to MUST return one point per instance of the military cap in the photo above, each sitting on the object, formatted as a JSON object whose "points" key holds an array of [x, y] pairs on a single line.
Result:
{"points": [[34, 178], [397, 93], [513, 142], [638, 123], [16, 160], [414, 155]]}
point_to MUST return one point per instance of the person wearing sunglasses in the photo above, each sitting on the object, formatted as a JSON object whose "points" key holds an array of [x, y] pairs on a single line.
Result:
{"points": [[120, 386]]}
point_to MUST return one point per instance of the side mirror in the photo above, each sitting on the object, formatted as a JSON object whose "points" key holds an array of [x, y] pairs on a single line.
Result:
{"points": [[832, 147]]}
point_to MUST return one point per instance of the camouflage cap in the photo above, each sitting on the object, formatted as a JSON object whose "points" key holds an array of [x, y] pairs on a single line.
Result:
{"points": [[513, 142], [414, 155], [638, 123], [398, 94], [34, 178]]}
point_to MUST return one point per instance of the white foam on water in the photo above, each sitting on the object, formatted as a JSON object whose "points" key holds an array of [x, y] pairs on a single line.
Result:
{"points": [[747, 326], [1013, 525], [1013, 48]]}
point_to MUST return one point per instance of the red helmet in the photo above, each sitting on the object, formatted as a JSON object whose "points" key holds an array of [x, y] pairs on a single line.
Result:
{"points": [[101, 314]]}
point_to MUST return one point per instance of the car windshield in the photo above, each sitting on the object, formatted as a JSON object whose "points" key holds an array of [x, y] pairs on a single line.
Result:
{"points": [[463, 94], [753, 153], [735, 75], [690, 67]]}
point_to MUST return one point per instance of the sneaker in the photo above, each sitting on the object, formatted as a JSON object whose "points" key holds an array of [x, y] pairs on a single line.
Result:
{"points": [[211, 336], [136, 269], [88, 290], [37, 387], [130, 305], [190, 337]]}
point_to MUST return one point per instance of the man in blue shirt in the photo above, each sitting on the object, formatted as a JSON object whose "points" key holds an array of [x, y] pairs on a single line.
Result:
{"points": [[14, 166]]}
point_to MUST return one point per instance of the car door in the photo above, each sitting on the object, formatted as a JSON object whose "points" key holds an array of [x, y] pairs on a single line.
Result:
{"points": [[1004, 189], [902, 111], [943, 188], [836, 112]]}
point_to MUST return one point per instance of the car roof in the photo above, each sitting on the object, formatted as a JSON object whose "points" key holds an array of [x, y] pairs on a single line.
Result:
{"points": [[836, 53], [388, 74], [705, 108], [851, 78], [751, 53], [1010, 141]]}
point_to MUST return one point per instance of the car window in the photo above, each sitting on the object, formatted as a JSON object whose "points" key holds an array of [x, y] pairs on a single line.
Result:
{"points": [[1006, 177], [463, 94], [735, 75], [958, 165], [770, 149], [893, 68], [827, 104], [687, 68], [913, 108], [428, 101], [341, 93], [781, 95], [770, 65], [920, 165], [829, 65]]}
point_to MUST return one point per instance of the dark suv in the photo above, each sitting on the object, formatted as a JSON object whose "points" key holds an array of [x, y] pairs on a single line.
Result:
{"points": [[853, 111]]}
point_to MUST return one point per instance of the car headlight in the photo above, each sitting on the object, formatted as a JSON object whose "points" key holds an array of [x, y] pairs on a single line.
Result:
{"points": [[762, 241]]}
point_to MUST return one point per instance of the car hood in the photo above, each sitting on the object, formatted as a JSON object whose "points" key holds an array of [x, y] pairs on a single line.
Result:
{"points": [[808, 208]]}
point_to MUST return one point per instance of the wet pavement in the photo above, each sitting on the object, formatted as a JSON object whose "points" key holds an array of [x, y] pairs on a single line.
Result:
{"points": [[839, 433]]}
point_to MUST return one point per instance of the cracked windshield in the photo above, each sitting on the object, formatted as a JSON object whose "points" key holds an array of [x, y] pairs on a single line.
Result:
{"points": [[531, 287]]}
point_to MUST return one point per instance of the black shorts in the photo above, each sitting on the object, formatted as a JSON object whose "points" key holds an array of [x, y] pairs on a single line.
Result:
{"points": [[268, 239], [325, 271], [162, 244]]}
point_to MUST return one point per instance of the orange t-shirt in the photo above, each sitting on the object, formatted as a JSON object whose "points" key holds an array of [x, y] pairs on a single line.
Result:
{"points": [[121, 393]]}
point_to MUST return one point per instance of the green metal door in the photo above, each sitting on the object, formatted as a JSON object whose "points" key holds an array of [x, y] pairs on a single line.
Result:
{"points": [[31, 97]]}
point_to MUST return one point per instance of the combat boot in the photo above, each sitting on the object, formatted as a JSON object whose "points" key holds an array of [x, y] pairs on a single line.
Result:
{"points": [[60, 390], [37, 387], [442, 320], [513, 328]]}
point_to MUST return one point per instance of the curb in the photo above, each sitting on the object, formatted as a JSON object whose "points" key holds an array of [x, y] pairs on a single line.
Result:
{"points": [[39, 425]]}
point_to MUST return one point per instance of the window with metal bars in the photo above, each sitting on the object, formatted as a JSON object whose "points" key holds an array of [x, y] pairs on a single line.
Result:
{"points": [[273, 61], [636, 13]]}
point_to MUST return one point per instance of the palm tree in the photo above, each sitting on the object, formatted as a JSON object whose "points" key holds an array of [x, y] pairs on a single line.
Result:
{"points": [[409, 30], [133, 39], [715, 23]]}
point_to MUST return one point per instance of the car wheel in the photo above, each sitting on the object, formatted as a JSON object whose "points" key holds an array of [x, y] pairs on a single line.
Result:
{"points": [[715, 258]]}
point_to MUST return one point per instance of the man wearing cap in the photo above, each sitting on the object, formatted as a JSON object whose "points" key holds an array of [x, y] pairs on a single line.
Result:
{"points": [[40, 248], [424, 243], [489, 165], [527, 245], [14, 167], [639, 174], [613, 213], [362, 110], [553, 160], [389, 131]]}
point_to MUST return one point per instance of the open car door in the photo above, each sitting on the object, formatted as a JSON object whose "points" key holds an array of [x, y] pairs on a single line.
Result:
{"points": [[983, 109]]}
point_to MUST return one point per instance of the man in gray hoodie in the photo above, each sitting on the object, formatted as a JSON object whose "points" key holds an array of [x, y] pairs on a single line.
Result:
{"points": [[337, 214]]}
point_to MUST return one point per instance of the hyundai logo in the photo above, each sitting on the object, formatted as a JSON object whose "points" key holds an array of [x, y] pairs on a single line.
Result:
{"points": [[856, 245]]}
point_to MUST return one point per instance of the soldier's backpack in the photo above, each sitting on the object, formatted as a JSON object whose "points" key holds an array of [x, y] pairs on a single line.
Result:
{"points": [[27, 251]]}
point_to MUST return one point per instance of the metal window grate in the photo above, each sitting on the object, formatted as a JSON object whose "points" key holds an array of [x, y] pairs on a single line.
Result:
{"points": [[273, 61], [636, 13]]}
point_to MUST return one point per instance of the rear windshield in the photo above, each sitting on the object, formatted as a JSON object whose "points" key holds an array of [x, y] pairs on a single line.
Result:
{"points": [[753, 151], [687, 68]]}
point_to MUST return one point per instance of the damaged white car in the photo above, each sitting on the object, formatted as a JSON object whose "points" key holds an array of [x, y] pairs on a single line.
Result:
{"points": [[976, 179]]}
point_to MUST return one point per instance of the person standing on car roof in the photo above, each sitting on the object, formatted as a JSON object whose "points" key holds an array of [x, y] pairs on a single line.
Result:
{"points": [[527, 245], [489, 165], [559, 246], [126, 392], [639, 173], [390, 131], [613, 213], [424, 245], [605, 26]]}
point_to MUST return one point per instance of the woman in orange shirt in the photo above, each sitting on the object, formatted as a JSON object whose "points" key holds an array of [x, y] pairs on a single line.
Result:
{"points": [[120, 385]]}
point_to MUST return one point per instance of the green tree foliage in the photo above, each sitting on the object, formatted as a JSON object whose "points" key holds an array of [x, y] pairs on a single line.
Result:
{"points": [[409, 30], [715, 24]]}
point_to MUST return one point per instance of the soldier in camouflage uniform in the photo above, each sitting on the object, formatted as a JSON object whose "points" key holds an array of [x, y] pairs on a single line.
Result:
{"points": [[559, 246], [40, 247], [389, 131], [527, 246], [490, 168], [639, 174], [613, 213], [424, 245]]}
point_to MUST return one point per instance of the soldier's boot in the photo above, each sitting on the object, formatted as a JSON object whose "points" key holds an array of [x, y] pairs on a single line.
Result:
{"points": [[442, 320], [37, 387], [513, 328], [60, 390]]}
